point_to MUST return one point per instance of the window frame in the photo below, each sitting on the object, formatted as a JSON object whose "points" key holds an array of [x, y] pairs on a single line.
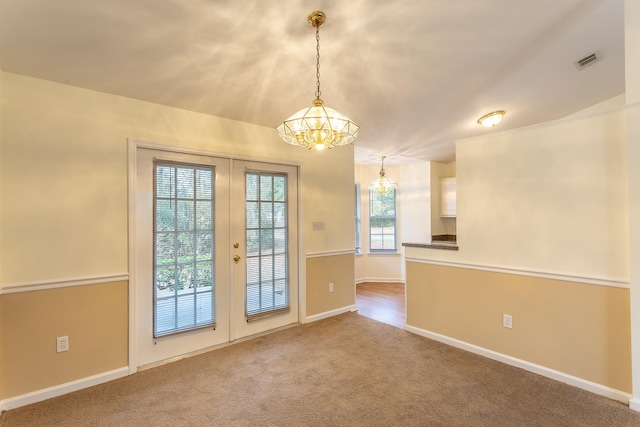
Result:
{"points": [[373, 198]]}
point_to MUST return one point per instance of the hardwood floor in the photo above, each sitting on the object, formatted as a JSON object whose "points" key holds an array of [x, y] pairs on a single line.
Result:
{"points": [[384, 302]]}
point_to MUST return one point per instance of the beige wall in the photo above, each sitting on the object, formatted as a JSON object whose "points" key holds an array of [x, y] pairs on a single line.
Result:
{"points": [[579, 329], [66, 155], [322, 270], [94, 317], [64, 201], [414, 201], [550, 198], [545, 201]]}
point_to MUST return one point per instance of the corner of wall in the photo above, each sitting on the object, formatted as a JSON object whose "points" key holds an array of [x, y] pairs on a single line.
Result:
{"points": [[632, 104], [440, 170], [414, 202], [2, 102], [1, 211], [451, 168], [1, 356]]}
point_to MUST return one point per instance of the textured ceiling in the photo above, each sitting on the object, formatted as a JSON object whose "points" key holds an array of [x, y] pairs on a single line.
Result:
{"points": [[414, 74]]}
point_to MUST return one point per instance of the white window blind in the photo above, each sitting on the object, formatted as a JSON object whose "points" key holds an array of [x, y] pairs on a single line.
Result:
{"points": [[183, 264], [267, 270]]}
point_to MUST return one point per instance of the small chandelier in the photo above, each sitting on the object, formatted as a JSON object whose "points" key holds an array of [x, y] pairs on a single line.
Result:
{"points": [[318, 126], [382, 184]]}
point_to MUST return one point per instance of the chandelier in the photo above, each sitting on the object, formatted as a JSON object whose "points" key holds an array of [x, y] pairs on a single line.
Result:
{"points": [[318, 126], [382, 184]]}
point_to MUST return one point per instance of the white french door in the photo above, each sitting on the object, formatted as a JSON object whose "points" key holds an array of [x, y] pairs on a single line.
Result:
{"points": [[265, 268], [215, 252]]}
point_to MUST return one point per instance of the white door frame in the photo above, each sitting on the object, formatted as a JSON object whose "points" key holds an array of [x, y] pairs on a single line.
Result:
{"points": [[133, 145]]}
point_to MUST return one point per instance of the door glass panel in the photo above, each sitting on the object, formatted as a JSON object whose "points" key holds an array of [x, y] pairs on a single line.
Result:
{"points": [[183, 265], [267, 287]]}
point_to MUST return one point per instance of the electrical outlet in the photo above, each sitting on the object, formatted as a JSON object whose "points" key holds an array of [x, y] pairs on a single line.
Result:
{"points": [[330, 287], [507, 321], [62, 344]]}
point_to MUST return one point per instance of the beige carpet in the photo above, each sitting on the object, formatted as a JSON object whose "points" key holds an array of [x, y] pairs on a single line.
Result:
{"points": [[345, 371]]}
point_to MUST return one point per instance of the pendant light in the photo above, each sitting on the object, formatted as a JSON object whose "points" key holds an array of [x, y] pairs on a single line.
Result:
{"points": [[318, 127], [382, 184]]}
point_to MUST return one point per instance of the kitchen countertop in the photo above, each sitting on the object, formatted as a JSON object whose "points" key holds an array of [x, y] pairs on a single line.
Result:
{"points": [[448, 246]]}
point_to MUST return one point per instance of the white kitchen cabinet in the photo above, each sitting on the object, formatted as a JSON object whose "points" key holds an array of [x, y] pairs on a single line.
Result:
{"points": [[448, 197]]}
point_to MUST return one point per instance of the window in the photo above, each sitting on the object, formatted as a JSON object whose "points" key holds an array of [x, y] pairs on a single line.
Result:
{"points": [[183, 264], [358, 220], [267, 290], [382, 221]]}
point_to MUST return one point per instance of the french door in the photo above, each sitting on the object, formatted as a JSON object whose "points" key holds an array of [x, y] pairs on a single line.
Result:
{"points": [[265, 268], [216, 251]]}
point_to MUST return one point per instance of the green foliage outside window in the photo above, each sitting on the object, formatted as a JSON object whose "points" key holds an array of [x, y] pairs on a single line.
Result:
{"points": [[382, 221]]}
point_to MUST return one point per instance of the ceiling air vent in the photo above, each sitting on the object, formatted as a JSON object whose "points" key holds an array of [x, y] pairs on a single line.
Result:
{"points": [[586, 61]]}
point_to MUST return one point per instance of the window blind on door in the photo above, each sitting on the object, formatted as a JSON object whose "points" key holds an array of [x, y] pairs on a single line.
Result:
{"points": [[183, 255], [267, 270]]}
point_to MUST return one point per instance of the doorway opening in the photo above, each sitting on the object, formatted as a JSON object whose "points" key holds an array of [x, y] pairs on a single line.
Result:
{"points": [[384, 302]]}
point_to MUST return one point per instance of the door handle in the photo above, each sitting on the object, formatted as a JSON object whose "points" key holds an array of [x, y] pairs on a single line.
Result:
{"points": [[236, 257]]}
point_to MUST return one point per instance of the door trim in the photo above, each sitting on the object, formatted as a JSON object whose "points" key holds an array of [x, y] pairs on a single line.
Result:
{"points": [[133, 145]]}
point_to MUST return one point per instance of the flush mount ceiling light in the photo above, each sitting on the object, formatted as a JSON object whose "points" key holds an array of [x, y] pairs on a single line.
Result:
{"points": [[318, 126], [382, 184], [491, 119]]}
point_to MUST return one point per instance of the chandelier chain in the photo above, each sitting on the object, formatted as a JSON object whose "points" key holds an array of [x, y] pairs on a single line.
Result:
{"points": [[318, 92]]}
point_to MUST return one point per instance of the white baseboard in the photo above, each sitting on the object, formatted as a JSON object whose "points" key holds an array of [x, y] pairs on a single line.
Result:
{"points": [[331, 313], [589, 386], [59, 390], [634, 403]]}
